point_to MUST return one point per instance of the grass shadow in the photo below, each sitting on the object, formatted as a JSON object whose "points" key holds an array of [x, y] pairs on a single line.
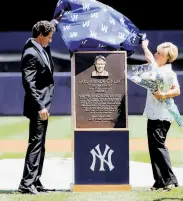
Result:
{"points": [[62, 190], [8, 191], [162, 199]]}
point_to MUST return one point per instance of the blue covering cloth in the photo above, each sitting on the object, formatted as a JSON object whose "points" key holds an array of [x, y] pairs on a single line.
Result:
{"points": [[92, 25]]}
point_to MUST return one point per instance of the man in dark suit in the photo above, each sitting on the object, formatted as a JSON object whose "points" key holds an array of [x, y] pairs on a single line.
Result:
{"points": [[37, 78]]}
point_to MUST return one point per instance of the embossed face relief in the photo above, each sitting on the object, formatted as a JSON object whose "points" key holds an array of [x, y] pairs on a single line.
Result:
{"points": [[100, 65]]}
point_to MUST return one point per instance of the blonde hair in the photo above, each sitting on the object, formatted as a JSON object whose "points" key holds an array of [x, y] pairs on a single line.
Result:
{"points": [[170, 51]]}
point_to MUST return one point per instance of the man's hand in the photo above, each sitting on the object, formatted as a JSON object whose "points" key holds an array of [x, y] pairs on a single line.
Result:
{"points": [[57, 18], [159, 94], [44, 114], [59, 15]]}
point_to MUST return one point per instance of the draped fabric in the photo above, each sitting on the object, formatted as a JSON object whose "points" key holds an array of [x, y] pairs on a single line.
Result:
{"points": [[92, 25]]}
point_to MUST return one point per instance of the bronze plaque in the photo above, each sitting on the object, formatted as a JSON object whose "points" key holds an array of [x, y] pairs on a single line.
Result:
{"points": [[99, 89]]}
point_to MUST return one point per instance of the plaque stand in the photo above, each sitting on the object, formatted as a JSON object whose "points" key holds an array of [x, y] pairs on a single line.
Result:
{"points": [[99, 116]]}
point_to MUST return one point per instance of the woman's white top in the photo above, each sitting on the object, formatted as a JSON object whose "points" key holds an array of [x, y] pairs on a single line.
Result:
{"points": [[155, 109]]}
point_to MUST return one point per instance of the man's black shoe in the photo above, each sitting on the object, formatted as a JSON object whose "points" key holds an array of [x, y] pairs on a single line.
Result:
{"points": [[28, 190], [43, 189]]}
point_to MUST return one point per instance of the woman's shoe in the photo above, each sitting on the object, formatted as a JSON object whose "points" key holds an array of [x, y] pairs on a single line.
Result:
{"points": [[169, 187], [153, 189]]}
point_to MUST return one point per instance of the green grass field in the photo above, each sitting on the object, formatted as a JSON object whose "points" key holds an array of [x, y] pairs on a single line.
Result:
{"points": [[16, 128], [60, 127], [137, 128], [137, 194]]}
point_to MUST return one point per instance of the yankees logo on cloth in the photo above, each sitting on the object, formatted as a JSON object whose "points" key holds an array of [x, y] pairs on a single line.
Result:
{"points": [[92, 25]]}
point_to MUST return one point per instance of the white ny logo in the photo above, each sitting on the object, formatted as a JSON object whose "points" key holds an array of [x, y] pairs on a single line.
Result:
{"points": [[99, 45], [102, 158], [67, 12], [104, 28], [73, 34], [105, 9], [112, 21], [93, 34], [86, 24], [86, 7], [121, 35], [122, 21], [74, 17], [66, 27], [94, 15], [84, 42]]}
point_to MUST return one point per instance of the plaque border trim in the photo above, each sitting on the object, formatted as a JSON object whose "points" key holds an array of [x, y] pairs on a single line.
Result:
{"points": [[73, 94]]}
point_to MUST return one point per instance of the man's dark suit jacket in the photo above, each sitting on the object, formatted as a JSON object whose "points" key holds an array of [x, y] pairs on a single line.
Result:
{"points": [[37, 79]]}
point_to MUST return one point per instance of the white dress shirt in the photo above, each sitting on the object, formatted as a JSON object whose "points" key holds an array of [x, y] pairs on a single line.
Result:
{"points": [[41, 49]]}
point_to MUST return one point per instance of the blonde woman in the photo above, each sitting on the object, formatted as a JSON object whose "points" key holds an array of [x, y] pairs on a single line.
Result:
{"points": [[159, 118]]}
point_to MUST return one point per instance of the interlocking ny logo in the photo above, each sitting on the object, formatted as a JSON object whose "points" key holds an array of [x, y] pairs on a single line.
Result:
{"points": [[86, 7], [104, 28], [86, 24], [74, 17], [93, 34], [108, 151]]}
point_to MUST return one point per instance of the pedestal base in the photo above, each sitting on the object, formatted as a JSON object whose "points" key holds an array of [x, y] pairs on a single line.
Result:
{"points": [[100, 188]]}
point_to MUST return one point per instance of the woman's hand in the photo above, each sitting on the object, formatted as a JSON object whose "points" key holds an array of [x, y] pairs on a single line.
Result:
{"points": [[145, 44], [159, 94]]}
